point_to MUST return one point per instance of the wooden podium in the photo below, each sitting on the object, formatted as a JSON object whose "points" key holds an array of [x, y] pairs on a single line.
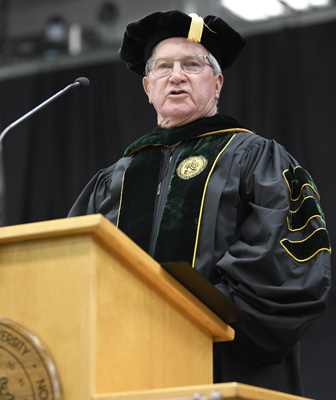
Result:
{"points": [[112, 318]]}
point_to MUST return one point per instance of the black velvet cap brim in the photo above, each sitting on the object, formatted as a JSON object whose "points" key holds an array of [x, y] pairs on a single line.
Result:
{"points": [[143, 35]]}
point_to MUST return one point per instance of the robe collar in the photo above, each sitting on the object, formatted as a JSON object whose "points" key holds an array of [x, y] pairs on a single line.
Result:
{"points": [[171, 137]]}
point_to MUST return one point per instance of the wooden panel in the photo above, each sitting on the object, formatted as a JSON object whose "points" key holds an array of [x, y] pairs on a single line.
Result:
{"points": [[45, 286], [143, 343]]}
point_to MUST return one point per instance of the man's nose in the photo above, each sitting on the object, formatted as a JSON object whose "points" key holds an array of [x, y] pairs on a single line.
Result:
{"points": [[177, 72]]}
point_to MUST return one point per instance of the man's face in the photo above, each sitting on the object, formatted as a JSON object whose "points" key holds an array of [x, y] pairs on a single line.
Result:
{"points": [[181, 98]]}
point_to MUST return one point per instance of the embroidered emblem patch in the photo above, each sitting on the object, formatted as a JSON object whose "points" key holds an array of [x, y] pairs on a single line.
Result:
{"points": [[191, 167]]}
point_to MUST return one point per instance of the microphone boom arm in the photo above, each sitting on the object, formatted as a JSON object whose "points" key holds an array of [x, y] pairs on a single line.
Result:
{"points": [[77, 84]]}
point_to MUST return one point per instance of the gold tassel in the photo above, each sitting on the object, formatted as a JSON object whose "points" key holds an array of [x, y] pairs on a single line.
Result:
{"points": [[196, 28]]}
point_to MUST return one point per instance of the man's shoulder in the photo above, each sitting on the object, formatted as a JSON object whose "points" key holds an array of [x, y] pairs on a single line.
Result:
{"points": [[251, 139], [246, 138], [106, 173]]}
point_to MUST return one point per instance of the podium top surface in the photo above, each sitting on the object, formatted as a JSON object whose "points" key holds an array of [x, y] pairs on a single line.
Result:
{"points": [[55, 228], [227, 391], [99, 228]]}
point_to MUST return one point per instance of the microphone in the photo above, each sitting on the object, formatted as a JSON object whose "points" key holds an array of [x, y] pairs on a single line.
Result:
{"points": [[79, 83]]}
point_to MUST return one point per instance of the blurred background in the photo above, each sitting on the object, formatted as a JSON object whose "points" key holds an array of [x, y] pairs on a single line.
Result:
{"points": [[283, 87]]}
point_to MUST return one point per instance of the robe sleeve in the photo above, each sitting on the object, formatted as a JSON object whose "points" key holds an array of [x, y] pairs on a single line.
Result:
{"points": [[278, 268], [95, 197]]}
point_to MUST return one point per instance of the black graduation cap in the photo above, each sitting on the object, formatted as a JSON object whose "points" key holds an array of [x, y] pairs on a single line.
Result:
{"points": [[142, 35]]}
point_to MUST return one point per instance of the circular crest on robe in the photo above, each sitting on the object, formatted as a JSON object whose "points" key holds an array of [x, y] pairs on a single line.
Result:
{"points": [[27, 370], [191, 167]]}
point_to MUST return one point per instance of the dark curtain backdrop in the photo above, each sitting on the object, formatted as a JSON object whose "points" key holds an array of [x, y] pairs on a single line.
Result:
{"points": [[283, 87]]}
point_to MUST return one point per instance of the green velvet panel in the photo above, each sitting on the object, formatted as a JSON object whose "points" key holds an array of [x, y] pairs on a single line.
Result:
{"points": [[139, 194], [301, 217], [308, 209], [306, 249], [180, 218], [296, 180]]}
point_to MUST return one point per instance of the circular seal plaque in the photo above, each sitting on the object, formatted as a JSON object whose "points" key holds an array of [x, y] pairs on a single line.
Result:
{"points": [[27, 371], [191, 167]]}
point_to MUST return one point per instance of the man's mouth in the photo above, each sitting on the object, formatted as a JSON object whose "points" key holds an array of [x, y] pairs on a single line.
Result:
{"points": [[177, 92]]}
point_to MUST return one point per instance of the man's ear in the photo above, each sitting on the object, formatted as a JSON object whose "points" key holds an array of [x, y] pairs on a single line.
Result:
{"points": [[219, 84], [145, 85]]}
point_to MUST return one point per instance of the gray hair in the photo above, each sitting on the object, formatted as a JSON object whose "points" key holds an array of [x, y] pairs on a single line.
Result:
{"points": [[215, 64]]}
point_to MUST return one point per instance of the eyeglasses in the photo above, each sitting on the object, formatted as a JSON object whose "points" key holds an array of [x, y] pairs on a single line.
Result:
{"points": [[162, 67]]}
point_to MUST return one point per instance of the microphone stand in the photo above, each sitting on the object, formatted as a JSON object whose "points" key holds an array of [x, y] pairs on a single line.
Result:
{"points": [[78, 84]]}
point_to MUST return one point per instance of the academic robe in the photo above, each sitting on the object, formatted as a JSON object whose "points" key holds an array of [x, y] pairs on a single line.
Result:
{"points": [[241, 211]]}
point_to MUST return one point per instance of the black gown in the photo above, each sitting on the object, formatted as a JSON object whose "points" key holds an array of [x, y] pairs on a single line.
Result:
{"points": [[246, 216]]}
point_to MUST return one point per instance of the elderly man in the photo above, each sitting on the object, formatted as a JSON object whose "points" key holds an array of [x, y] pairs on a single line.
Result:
{"points": [[203, 189]]}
